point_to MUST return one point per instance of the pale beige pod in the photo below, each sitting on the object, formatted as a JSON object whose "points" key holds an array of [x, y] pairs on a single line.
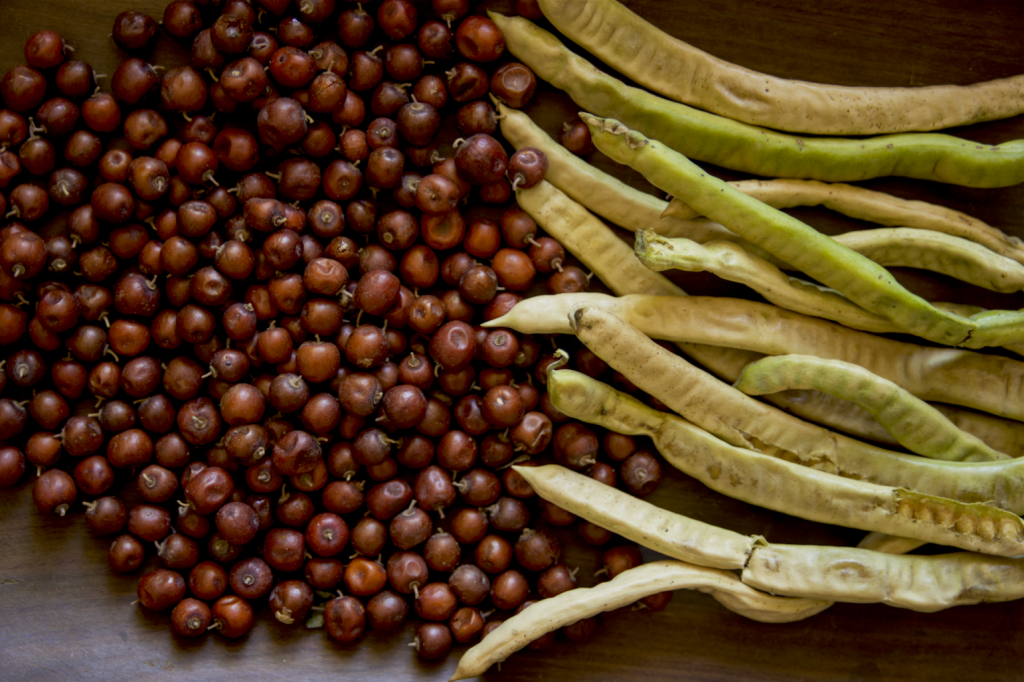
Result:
{"points": [[916, 582], [671, 534], [918, 426], [669, 66], [548, 615]]}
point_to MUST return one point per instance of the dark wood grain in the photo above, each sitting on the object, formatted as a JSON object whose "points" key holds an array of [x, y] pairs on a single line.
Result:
{"points": [[66, 617]]}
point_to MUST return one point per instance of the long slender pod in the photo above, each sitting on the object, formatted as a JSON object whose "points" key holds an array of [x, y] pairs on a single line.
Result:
{"points": [[907, 247], [865, 283], [649, 56], [955, 257], [734, 263], [671, 534], [624, 589], [790, 488], [865, 204], [742, 147], [747, 423], [960, 377], [674, 535], [917, 426], [920, 583]]}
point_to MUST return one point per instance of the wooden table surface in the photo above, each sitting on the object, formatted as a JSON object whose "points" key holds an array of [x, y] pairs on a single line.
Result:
{"points": [[64, 616]]}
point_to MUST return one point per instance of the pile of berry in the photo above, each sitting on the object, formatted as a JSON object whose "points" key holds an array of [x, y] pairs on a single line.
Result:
{"points": [[240, 316]]}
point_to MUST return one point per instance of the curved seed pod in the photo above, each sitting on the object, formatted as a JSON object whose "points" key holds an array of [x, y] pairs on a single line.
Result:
{"points": [[671, 67], [734, 263], [624, 589], [661, 317], [959, 377], [747, 423], [865, 283], [954, 257], [919, 583], [671, 534], [750, 149], [694, 394], [863, 204], [915, 424], [780, 485], [669, 318]]}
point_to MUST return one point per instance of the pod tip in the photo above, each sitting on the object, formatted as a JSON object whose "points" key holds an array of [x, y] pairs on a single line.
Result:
{"points": [[496, 322]]}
